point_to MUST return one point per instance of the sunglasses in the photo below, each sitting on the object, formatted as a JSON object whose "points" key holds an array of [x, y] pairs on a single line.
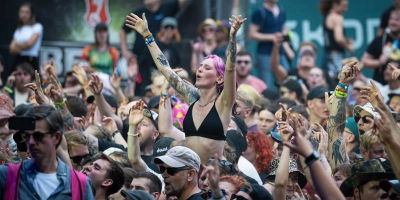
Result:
{"points": [[246, 62], [172, 170], [78, 159], [225, 163], [37, 136], [357, 89], [169, 27], [283, 92], [364, 119], [237, 197], [391, 197], [208, 30], [209, 193]]}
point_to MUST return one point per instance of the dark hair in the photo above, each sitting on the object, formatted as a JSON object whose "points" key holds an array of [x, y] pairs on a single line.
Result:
{"points": [[326, 5], [96, 42], [115, 173], [51, 115], [33, 16], [128, 174], [243, 53], [301, 110], [26, 67], [22, 109], [271, 108], [122, 158], [308, 43], [290, 103], [344, 169], [101, 132], [70, 74], [155, 183], [76, 106]]}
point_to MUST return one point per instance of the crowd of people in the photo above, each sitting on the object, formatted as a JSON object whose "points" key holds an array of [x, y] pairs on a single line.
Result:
{"points": [[303, 132]]}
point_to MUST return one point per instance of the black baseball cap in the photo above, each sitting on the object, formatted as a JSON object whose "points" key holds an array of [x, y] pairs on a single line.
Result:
{"points": [[241, 124], [161, 146], [271, 94], [293, 86], [317, 93], [154, 101], [236, 141], [100, 26]]}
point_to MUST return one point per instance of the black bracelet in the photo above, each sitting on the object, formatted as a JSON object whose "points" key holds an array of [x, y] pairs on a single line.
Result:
{"points": [[311, 158], [115, 132]]}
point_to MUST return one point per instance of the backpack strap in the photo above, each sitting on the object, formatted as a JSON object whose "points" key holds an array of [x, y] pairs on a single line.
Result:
{"points": [[78, 184], [12, 181]]}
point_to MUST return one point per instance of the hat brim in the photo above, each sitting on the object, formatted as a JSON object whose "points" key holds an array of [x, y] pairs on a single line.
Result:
{"points": [[347, 187], [169, 161], [302, 180], [373, 176]]}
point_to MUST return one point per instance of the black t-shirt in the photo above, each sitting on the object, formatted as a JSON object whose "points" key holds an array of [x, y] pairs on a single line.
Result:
{"points": [[104, 144], [220, 52], [385, 18], [195, 197], [167, 9], [375, 50]]}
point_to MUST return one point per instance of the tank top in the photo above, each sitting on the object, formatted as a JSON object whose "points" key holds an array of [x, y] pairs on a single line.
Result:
{"points": [[329, 39], [210, 128]]}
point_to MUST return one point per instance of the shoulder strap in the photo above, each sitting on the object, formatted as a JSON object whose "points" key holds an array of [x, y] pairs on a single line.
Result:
{"points": [[78, 184], [12, 182]]}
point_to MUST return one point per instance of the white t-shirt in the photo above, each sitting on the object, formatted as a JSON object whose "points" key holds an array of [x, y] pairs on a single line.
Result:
{"points": [[385, 90], [248, 168], [45, 184], [25, 33], [20, 98]]}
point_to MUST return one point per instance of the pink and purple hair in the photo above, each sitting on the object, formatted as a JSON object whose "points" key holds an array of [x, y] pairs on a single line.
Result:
{"points": [[219, 66]]}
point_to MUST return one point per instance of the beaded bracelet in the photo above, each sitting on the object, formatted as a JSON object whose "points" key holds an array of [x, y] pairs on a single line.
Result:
{"points": [[148, 36], [150, 40]]}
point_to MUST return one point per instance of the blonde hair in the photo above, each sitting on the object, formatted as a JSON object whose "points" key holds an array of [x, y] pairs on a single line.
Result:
{"points": [[250, 91], [367, 140], [247, 99], [74, 138], [155, 74]]}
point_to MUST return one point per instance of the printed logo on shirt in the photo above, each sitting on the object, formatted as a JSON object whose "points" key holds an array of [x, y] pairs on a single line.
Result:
{"points": [[159, 17]]}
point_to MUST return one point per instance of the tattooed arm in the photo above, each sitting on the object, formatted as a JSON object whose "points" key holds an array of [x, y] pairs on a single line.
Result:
{"points": [[68, 119]]}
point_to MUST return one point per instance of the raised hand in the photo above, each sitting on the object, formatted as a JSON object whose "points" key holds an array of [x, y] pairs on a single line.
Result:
{"points": [[329, 101], [54, 91], [115, 81], [285, 131], [51, 69], [395, 73], [133, 68], [298, 193], [299, 144], [95, 85], [37, 88], [283, 114], [11, 80], [371, 93], [301, 126], [80, 74], [236, 23], [139, 25], [278, 39], [348, 73], [198, 46], [322, 136], [136, 113], [109, 124], [212, 173]]}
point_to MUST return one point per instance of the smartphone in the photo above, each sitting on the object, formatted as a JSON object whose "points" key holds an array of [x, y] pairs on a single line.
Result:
{"points": [[286, 38], [22, 123]]}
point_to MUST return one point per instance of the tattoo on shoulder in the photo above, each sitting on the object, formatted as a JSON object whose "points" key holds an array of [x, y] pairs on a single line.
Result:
{"points": [[232, 48], [68, 119], [163, 61]]}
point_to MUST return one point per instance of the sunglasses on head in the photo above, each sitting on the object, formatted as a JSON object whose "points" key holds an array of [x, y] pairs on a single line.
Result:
{"points": [[246, 62], [169, 27], [173, 170], [225, 163], [391, 197], [364, 118], [147, 113], [237, 197], [37, 136], [78, 159]]}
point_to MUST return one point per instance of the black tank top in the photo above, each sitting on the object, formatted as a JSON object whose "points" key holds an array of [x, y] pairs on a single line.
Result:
{"points": [[210, 128], [329, 39]]}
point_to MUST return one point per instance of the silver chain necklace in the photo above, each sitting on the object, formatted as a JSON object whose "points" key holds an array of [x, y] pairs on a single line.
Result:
{"points": [[201, 106]]}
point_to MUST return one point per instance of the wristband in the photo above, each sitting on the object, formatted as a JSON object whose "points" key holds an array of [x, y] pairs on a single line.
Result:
{"points": [[341, 89], [85, 86], [150, 40], [311, 158], [134, 135], [59, 104], [115, 132], [343, 85], [340, 94], [148, 36]]}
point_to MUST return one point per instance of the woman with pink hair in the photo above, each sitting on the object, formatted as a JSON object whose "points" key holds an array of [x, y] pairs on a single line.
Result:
{"points": [[211, 104]]}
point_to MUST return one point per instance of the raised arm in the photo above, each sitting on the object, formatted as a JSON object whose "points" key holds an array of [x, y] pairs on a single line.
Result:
{"points": [[165, 123], [228, 94], [105, 109], [337, 117], [279, 71], [135, 117], [257, 36], [189, 93]]}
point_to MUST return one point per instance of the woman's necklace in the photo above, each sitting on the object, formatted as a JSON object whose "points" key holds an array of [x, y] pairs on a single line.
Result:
{"points": [[201, 106]]}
